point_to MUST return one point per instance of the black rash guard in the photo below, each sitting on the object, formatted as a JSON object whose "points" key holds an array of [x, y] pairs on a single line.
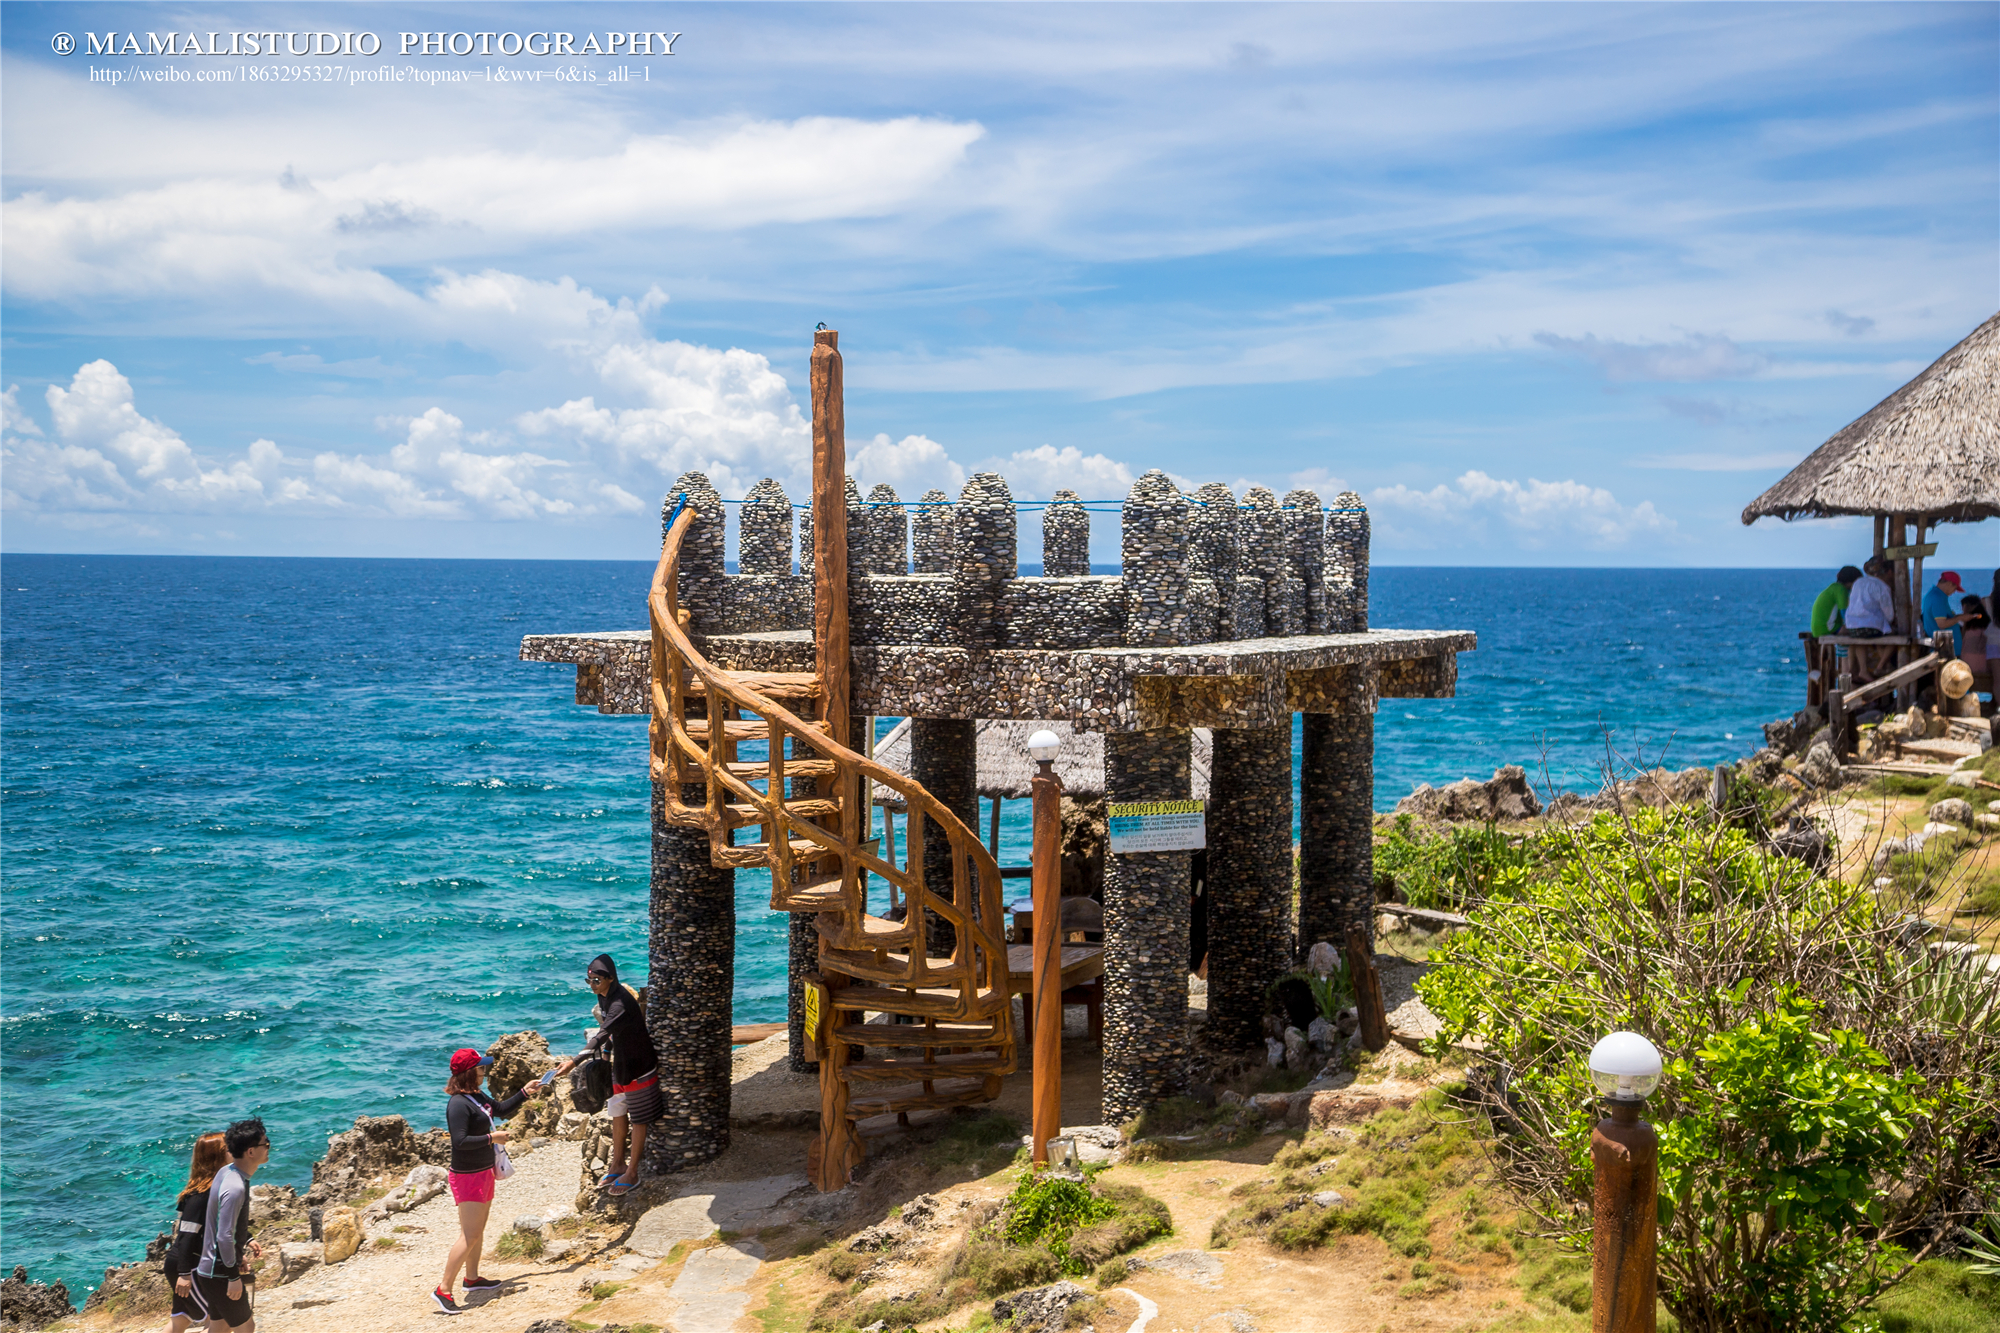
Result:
{"points": [[185, 1251], [622, 1022], [470, 1116]]}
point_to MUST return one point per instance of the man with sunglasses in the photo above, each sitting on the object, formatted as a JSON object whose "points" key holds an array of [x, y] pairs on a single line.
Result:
{"points": [[219, 1278]]}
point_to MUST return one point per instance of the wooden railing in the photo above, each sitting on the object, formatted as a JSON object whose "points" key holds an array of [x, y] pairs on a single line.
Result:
{"points": [[829, 825]]}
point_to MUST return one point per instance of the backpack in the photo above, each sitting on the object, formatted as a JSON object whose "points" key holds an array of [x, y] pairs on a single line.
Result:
{"points": [[590, 1085]]}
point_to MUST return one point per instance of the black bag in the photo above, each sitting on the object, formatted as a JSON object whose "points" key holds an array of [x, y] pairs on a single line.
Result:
{"points": [[590, 1085]]}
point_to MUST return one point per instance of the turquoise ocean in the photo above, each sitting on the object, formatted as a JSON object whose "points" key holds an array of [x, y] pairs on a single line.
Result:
{"points": [[279, 834]]}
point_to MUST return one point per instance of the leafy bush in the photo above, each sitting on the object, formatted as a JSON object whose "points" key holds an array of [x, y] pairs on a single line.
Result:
{"points": [[1831, 1106], [1449, 869]]}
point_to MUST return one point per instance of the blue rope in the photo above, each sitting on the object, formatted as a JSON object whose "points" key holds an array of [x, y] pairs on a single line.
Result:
{"points": [[1119, 506]]}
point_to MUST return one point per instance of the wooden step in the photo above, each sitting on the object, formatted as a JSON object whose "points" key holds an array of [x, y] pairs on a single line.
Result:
{"points": [[887, 969], [925, 1003], [820, 894], [908, 1069], [890, 1035], [874, 933], [955, 1092], [773, 684], [751, 855], [697, 729], [743, 815], [751, 771]]}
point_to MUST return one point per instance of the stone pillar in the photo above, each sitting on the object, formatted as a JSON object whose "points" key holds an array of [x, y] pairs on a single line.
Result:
{"points": [[1261, 532], [944, 758], [1153, 549], [1212, 538], [932, 533], [692, 978], [1337, 827], [859, 550], [1305, 557], [1347, 562], [764, 531], [1249, 878], [983, 556], [888, 532], [803, 949], [702, 594], [1145, 932], [1065, 537]]}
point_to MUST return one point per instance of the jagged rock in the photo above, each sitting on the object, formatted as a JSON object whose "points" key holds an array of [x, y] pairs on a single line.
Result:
{"points": [[434, 1146], [1504, 796], [1820, 768], [1951, 810], [881, 1236], [1298, 1051], [1350, 1104], [1794, 734], [270, 1203], [341, 1230], [1765, 765], [1804, 840], [1272, 1105], [1328, 1199], [32, 1304], [1321, 1034], [1274, 1052], [356, 1158], [130, 1290], [921, 1212], [1322, 959], [295, 1258], [1348, 1021], [1041, 1308]]}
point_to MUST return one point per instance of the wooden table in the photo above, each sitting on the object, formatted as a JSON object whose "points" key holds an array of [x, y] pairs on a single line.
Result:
{"points": [[1082, 965]]}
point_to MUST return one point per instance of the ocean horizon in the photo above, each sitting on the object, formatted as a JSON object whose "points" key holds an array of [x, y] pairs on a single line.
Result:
{"points": [[281, 832]]}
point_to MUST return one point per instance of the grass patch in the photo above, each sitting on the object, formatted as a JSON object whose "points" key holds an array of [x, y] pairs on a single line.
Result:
{"points": [[986, 1142], [518, 1244], [1942, 1296], [567, 1227], [402, 1229], [781, 1312], [385, 1242], [604, 1291], [1150, 1135]]}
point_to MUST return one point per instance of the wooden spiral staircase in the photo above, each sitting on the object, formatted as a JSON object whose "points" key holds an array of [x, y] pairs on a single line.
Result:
{"points": [[802, 791]]}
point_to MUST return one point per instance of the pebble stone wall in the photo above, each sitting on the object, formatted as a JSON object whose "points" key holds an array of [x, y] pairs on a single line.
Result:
{"points": [[944, 760], [1153, 547], [931, 533], [691, 930], [764, 531], [703, 589], [1337, 828], [1305, 556], [1347, 557], [888, 532], [985, 555], [1065, 537], [1249, 878], [1145, 933]]}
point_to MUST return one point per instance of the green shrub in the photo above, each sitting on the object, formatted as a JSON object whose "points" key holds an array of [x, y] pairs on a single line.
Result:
{"points": [[1826, 1086], [1450, 868], [517, 1244]]}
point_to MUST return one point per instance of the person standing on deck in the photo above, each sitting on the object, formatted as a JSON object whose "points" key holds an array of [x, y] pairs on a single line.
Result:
{"points": [[1829, 609], [1939, 614], [635, 1070], [1871, 613], [219, 1293]]}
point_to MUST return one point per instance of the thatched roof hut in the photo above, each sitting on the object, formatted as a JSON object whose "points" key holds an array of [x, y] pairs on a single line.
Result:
{"points": [[1005, 769], [1930, 450]]}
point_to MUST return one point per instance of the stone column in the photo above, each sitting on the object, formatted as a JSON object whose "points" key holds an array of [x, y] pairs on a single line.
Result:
{"points": [[1337, 826], [691, 953], [1305, 557], [1145, 934], [984, 554], [944, 756], [702, 594], [1065, 537], [764, 531], [888, 532], [1249, 878], [1153, 547], [1347, 562], [931, 527]]}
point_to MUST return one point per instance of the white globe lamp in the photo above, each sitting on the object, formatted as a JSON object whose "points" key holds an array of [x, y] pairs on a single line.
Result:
{"points": [[1625, 1067], [1043, 746]]}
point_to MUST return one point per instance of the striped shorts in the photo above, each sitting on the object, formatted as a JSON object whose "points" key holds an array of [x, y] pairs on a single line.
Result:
{"points": [[639, 1100]]}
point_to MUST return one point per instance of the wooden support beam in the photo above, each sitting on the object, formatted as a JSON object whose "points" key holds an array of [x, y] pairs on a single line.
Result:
{"points": [[1367, 989], [829, 508], [1895, 679], [1424, 916]]}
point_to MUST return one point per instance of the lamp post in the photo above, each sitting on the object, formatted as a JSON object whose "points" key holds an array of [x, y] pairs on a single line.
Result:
{"points": [[1046, 986], [1625, 1155]]}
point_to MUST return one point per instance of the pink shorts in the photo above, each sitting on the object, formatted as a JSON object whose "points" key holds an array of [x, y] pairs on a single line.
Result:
{"points": [[472, 1187]]}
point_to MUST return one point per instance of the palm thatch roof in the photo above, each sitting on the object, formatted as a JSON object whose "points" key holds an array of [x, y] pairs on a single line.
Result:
{"points": [[1931, 448], [1005, 769]]}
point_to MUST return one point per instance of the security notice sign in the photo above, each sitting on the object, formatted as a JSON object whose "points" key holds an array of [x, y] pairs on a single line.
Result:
{"points": [[1158, 826]]}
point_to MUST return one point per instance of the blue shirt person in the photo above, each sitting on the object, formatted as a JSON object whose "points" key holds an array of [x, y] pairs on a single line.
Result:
{"points": [[1939, 613]]}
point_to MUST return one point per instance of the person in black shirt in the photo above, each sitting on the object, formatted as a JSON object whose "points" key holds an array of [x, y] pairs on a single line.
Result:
{"points": [[470, 1114], [635, 1069], [191, 1212], [221, 1279]]}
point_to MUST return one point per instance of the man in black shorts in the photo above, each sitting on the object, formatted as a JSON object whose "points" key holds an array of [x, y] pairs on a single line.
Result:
{"points": [[218, 1280]]}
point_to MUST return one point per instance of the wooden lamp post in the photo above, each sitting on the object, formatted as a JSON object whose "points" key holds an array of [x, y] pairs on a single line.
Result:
{"points": [[1624, 1217], [1046, 987]]}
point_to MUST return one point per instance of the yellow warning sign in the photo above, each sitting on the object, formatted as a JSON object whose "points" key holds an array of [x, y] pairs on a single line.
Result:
{"points": [[812, 1013]]}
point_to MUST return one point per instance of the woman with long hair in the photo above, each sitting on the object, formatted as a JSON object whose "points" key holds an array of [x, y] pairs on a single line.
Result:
{"points": [[191, 1212], [470, 1115]]}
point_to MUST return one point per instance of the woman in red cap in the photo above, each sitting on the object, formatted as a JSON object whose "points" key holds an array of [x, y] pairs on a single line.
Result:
{"points": [[470, 1114]]}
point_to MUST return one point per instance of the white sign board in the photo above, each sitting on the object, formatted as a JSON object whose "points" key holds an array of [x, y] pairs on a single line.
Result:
{"points": [[1157, 826]]}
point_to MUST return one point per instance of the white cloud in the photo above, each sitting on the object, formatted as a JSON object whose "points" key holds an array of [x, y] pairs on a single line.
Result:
{"points": [[14, 418], [1040, 472], [913, 465], [1698, 356], [1535, 514]]}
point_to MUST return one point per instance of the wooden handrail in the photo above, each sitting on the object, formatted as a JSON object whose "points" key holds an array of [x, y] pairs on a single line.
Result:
{"points": [[978, 927]]}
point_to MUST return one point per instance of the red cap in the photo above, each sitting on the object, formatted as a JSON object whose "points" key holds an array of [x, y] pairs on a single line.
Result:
{"points": [[1950, 576], [465, 1058]]}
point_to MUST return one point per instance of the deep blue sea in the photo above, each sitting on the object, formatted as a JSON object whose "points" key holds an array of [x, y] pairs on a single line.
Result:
{"points": [[277, 834]]}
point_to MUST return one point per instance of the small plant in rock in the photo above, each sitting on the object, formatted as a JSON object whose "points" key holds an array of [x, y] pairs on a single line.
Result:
{"points": [[518, 1244]]}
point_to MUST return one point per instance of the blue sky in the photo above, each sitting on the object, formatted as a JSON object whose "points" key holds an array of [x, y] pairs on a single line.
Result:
{"points": [[1548, 284]]}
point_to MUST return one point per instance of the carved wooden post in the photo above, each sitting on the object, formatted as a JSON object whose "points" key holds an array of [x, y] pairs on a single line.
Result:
{"points": [[1624, 1270], [1046, 789], [1367, 989]]}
